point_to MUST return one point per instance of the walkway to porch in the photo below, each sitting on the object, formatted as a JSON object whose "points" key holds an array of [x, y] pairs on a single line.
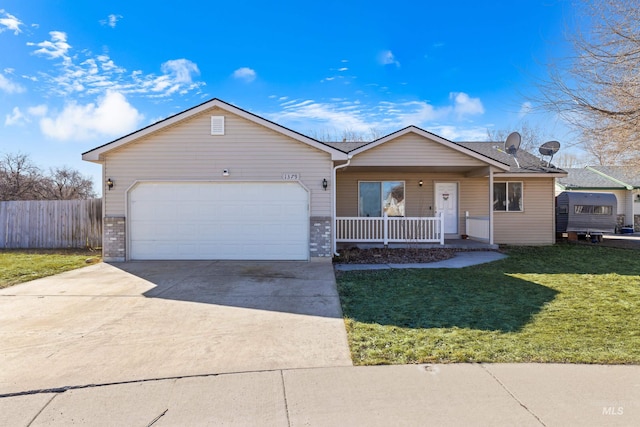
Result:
{"points": [[467, 244]]}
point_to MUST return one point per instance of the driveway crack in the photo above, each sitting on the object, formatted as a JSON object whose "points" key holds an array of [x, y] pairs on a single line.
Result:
{"points": [[284, 395], [513, 396], [35, 417]]}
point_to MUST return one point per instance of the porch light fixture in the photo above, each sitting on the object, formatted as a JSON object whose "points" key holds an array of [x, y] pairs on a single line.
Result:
{"points": [[420, 183], [109, 183], [325, 184]]}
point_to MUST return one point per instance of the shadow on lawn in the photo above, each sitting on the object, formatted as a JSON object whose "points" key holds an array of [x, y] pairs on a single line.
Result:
{"points": [[442, 299]]}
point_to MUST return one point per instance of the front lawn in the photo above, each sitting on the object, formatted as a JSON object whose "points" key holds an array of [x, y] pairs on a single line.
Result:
{"points": [[17, 266], [564, 303]]}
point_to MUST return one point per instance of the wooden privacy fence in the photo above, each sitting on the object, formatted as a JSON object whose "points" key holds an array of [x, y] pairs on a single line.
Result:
{"points": [[35, 224]]}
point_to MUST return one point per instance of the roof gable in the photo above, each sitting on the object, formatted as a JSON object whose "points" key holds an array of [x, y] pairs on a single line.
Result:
{"points": [[439, 142], [95, 155]]}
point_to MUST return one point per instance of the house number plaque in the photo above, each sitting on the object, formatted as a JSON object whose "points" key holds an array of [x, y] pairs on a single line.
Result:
{"points": [[291, 176]]}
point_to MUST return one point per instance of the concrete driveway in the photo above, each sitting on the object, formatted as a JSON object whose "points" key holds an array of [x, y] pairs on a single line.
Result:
{"points": [[142, 320]]}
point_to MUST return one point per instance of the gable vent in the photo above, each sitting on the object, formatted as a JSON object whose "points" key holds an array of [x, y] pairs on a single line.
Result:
{"points": [[217, 125]]}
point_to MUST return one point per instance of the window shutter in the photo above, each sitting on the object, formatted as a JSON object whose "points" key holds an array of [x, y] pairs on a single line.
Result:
{"points": [[217, 125]]}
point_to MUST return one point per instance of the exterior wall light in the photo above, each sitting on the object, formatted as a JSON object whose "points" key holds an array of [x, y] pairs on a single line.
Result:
{"points": [[109, 183], [420, 183], [325, 184]]}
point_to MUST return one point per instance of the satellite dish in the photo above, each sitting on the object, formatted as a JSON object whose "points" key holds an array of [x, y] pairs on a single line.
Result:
{"points": [[549, 148], [512, 143]]}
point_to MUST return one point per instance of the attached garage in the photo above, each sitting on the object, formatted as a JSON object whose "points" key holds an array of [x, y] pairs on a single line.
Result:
{"points": [[218, 220]]}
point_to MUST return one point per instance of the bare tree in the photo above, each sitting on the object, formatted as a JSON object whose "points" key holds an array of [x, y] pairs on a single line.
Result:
{"points": [[21, 179], [65, 183], [597, 89], [346, 135], [532, 136]]}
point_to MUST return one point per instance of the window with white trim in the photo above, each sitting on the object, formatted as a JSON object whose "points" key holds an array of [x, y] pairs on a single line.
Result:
{"points": [[378, 197], [507, 196]]}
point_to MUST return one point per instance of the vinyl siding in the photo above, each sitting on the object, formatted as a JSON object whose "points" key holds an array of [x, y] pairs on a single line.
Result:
{"points": [[413, 150], [534, 226], [187, 151]]}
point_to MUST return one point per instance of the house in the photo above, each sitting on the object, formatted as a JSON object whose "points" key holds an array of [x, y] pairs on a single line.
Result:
{"points": [[218, 182], [622, 181]]}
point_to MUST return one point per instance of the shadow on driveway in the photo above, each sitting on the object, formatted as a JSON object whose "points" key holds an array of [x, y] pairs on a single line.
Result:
{"points": [[306, 288]]}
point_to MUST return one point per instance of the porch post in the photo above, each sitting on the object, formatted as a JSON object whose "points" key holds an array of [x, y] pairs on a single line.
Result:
{"points": [[385, 228], [490, 205], [441, 214]]}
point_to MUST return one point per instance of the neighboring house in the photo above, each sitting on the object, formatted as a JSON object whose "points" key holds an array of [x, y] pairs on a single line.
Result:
{"points": [[218, 182], [622, 181]]}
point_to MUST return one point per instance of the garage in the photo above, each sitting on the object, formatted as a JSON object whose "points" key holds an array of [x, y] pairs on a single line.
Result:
{"points": [[215, 220]]}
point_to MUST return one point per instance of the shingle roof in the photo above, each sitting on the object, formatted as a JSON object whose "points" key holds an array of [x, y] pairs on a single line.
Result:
{"points": [[346, 146], [627, 175], [493, 150], [604, 177], [584, 178]]}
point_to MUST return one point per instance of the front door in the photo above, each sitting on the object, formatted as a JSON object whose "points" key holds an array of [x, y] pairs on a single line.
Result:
{"points": [[447, 203]]}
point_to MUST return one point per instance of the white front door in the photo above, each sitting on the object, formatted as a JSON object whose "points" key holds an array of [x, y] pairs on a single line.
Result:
{"points": [[447, 203]]}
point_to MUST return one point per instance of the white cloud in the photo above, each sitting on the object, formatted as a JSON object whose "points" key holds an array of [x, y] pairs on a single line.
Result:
{"points": [[525, 109], [385, 117], [343, 69], [112, 115], [57, 47], [8, 86], [15, 118], [464, 105], [38, 110], [387, 58], [111, 20], [245, 73], [458, 133], [9, 22], [314, 114]]}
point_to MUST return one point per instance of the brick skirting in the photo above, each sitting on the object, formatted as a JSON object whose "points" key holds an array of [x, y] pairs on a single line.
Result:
{"points": [[320, 236], [114, 242]]}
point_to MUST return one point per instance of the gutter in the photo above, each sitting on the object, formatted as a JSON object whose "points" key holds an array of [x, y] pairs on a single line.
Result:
{"points": [[334, 245], [610, 178]]}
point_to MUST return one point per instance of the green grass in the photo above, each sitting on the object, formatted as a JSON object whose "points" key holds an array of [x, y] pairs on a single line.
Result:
{"points": [[18, 266], [563, 303]]}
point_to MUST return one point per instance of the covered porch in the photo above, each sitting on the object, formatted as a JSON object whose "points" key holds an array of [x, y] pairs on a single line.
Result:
{"points": [[418, 208]]}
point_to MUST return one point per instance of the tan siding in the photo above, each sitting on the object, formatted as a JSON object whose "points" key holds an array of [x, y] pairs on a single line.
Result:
{"points": [[533, 226], [413, 150], [187, 151]]}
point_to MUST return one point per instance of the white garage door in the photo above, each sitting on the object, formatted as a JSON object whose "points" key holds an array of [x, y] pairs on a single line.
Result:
{"points": [[252, 221]]}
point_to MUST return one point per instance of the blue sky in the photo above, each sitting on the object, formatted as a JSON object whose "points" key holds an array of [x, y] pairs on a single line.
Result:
{"points": [[77, 74]]}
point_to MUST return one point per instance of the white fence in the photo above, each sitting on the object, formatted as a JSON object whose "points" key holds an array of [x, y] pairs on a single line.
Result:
{"points": [[51, 224], [477, 227], [390, 229]]}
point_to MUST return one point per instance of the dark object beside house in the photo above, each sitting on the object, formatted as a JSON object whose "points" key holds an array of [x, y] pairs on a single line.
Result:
{"points": [[586, 213]]}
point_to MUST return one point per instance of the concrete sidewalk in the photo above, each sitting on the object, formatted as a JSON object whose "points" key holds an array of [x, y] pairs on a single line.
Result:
{"points": [[462, 259], [408, 395]]}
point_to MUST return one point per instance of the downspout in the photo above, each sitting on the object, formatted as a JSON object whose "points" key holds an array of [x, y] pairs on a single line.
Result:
{"points": [[333, 205], [490, 205]]}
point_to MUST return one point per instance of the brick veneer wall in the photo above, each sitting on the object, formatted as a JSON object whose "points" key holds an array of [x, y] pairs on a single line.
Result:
{"points": [[114, 242], [320, 236]]}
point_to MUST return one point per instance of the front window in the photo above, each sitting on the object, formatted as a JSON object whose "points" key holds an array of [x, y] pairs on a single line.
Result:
{"points": [[507, 196], [378, 197]]}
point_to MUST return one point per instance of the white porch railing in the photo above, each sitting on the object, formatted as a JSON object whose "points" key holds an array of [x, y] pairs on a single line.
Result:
{"points": [[390, 229], [477, 227]]}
